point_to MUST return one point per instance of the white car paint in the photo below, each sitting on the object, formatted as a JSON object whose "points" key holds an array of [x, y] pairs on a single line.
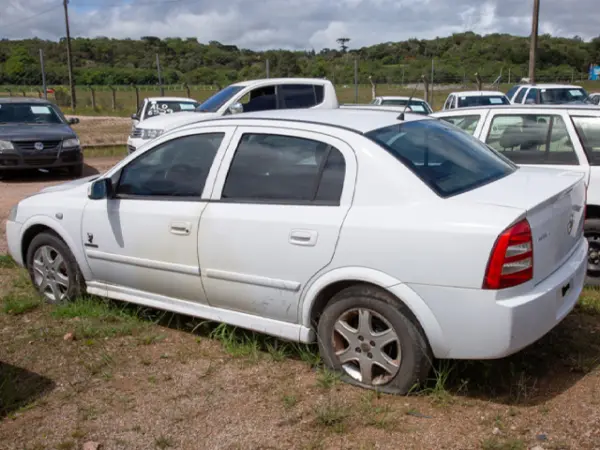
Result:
{"points": [[263, 265], [168, 122], [421, 105], [455, 98]]}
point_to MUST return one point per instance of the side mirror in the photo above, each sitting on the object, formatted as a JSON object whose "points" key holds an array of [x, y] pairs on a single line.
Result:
{"points": [[134, 117], [73, 120], [236, 108], [100, 189]]}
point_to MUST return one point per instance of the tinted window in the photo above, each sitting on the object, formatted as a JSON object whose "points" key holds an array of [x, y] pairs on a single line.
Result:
{"points": [[161, 107], [448, 161], [176, 168], [465, 123], [520, 95], [29, 113], [261, 99], [532, 139], [512, 91], [277, 168], [319, 93], [588, 129], [563, 95], [298, 95], [531, 96], [482, 100]]}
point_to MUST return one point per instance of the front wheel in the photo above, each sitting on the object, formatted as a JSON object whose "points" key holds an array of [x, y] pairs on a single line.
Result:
{"points": [[53, 269], [366, 336]]}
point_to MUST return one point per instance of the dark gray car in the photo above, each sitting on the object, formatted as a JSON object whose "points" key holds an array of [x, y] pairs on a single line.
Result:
{"points": [[34, 134]]}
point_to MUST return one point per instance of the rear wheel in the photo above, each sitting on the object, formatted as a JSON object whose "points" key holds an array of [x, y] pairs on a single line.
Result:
{"points": [[369, 337], [53, 269], [592, 234]]}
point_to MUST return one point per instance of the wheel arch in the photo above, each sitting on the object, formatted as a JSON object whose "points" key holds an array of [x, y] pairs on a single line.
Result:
{"points": [[321, 290], [38, 224]]}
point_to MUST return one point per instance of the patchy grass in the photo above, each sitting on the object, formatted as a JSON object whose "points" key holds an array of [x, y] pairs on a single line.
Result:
{"points": [[589, 302], [6, 262], [17, 303], [105, 151], [332, 414], [496, 443]]}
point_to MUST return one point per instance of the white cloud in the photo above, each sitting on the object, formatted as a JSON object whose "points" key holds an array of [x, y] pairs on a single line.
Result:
{"points": [[294, 24]]}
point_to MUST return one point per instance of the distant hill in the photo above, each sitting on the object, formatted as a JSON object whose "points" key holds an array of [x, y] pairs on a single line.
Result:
{"points": [[124, 61]]}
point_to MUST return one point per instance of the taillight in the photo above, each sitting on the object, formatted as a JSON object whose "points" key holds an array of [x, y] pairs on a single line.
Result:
{"points": [[511, 261]]}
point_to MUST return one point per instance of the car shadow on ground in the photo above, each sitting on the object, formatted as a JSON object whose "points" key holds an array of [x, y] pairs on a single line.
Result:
{"points": [[20, 388], [532, 376], [40, 176]]}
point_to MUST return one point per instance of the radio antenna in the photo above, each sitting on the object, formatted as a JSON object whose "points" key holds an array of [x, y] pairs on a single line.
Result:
{"points": [[401, 116]]}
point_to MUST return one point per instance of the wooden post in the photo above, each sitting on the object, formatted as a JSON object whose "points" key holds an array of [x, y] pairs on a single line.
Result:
{"points": [[93, 94], [373, 88], [479, 82], [24, 93], [187, 89], [425, 87], [9, 92], [114, 97], [137, 96], [534, 40]]}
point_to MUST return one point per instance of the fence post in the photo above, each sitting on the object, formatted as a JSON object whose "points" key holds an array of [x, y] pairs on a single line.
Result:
{"points": [[425, 87], [9, 92], [373, 88], [137, 96], [93, 94], [39, 93], [478, 80], [114, 97], [24, 93], [187, 89]]}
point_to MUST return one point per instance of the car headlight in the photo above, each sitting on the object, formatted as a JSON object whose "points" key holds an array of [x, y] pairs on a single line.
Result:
{"points": [[151, 133], [73, 142], [12, 216], [6, 145]]}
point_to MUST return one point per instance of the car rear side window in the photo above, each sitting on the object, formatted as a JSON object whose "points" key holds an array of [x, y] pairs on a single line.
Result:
{"points": [[588, 129], [465, 123], [448, 161], [512, 91], [270, 168], [532, 139], [300, 95]]}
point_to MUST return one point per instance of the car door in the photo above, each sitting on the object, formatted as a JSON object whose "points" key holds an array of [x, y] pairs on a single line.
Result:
{"points": [[535, 137], [143, 240], [274, 218]]}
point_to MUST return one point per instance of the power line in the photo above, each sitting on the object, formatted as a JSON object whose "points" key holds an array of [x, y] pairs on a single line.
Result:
{"points": [[20, 21]]}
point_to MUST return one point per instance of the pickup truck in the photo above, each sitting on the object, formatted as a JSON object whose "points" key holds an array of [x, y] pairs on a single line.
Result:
{"points": [[246, 96], [563, 137]]}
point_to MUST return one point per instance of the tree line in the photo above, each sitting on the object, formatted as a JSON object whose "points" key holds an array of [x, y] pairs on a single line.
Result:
{"points": [[106, 61]]}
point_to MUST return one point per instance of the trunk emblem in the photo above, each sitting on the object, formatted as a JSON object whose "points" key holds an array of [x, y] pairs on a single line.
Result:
{"points": [[570, 224], [38, 146]]}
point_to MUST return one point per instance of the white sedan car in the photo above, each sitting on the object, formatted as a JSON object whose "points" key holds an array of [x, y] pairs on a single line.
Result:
{"points": [[389, 239]]}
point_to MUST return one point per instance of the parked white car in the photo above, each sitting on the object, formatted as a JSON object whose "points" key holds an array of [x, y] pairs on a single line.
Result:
{"points": [[417, 105], [246, 96], [542, 94], [392, 241], [560, 136], [154, 107], [467, 99]]}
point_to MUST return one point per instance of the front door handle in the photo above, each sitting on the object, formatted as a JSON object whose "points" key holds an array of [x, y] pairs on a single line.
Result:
{"points": [[306, 238], [181, 228]]}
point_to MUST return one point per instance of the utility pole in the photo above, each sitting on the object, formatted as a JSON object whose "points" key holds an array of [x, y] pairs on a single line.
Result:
{"points": [[43, 74], [355, 80], [534, 40], [69, 62], [268, 67]]}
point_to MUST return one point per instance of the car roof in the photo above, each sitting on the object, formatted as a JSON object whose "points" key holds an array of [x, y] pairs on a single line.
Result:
{"points": [[172, 99], [359, 119], [399, 97], [551, 86], [525, 107], [269, 81], [41, 101], [478, 93]]}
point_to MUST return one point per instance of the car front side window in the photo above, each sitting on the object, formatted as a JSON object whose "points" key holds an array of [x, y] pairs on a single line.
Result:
{"points": [[270, 168], [465, 123], [175, 168], [520, 95]]}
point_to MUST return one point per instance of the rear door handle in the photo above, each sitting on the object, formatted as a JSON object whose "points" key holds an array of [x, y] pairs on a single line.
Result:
{"points": [[306, 238], [181, 228]]}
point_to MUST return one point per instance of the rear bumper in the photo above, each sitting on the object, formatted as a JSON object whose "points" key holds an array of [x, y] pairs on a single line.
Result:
{"points": [[13, 239], [480, 324], [18, 161]]}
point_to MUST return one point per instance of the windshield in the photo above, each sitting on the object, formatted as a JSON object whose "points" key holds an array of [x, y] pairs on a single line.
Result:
{"points": [[563, 95], [160, 107], [482, 100], [32, 113], [416, 106], [448, 160], [213, 103]]}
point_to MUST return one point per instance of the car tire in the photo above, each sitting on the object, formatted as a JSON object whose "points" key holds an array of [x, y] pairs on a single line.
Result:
{"points": [[76, 171], [53, 269], [591, 230], [407, 358]]}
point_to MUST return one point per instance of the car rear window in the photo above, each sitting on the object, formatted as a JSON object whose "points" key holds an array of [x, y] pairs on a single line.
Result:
{"points": [[449, 161], [482, 100]]}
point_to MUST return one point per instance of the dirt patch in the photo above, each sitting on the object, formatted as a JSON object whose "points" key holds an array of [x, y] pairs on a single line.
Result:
{"points": [[18, 186], [102, 130]]}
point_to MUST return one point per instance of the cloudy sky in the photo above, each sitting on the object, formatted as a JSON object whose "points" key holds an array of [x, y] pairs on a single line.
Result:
{"points": [[294, 24]]}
